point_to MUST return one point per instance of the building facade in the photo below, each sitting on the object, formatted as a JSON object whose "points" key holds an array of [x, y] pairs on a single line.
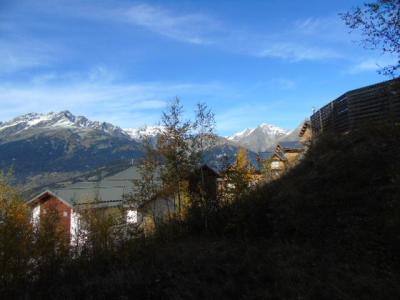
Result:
{"points": [[377, 104]]}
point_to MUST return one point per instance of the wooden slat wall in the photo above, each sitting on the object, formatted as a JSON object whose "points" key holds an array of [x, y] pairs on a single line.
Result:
{"points": [[375, 104]]}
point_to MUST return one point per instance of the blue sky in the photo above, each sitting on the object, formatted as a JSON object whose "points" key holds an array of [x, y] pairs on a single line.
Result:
{"points": [[122, 61]]}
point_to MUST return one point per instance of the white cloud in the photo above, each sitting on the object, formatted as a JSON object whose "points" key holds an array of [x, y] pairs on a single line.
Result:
{"points": [[204, 30], [298, 41], [297, 52], [16, 55], [191, 28], [292, 43], [371, 65], [329, 28], [125, 104], [367, 65]]}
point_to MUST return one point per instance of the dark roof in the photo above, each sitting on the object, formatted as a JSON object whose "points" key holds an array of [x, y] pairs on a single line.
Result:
{"points": [[291, 145], [211, 169], [265, 155]]}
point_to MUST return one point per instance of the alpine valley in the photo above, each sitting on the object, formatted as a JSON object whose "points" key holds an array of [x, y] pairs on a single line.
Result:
{"points": [[46, 149]]}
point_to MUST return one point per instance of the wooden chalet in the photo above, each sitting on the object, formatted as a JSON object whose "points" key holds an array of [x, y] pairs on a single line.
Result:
{"points": [[288, 153], [377, 104]]}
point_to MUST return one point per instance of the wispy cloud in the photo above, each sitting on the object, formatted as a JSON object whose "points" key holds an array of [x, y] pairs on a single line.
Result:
{"points": [[133, 104], [309, 39], [371, 64], [330, 28], [293, 43], [16, 55], [205, 30], [191, 28], [297, 52]]}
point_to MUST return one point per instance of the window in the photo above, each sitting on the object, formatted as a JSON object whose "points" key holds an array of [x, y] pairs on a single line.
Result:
{"points": [[65, 214], [131, 216], [275, 165]]}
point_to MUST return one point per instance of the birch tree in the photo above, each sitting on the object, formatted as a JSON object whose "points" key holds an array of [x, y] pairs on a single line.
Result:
{"points": [[175, 149]]}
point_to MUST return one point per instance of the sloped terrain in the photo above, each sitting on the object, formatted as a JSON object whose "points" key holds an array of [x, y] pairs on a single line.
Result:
{"points": [[329, 229]]}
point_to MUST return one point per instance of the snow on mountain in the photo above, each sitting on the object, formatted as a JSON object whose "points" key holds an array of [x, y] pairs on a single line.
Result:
{"points": [[262, 138], [53, 120], [151, 131], [241, 134]]}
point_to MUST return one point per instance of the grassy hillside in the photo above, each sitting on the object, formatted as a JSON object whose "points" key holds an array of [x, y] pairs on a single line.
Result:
{"points": [[329, 229]]}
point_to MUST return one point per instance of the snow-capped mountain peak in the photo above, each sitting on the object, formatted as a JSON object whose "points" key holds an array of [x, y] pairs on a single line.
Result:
{"points": [[262, 138], [240, 134], [268, 128], [55, 120], [263, 127], [136, 133]]}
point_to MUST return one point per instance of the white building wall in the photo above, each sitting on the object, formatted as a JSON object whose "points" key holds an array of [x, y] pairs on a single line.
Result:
{"points": [[74, 230], [36, 215]]}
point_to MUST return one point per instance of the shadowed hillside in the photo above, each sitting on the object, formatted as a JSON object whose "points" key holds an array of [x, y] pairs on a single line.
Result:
{"points": [[327, 230]]}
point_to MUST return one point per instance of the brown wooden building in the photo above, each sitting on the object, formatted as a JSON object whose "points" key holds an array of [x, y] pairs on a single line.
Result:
{"points": [[288, 153], [377, 104]]}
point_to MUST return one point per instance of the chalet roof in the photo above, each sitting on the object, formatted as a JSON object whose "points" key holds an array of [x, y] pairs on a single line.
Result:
{"points": [[111, 191], [46, 194], [108, 192], [265, 155], [290, 145]]}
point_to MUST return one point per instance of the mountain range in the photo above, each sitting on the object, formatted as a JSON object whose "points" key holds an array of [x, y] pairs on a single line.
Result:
{"points": [[259, 139], [43, 149]]}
